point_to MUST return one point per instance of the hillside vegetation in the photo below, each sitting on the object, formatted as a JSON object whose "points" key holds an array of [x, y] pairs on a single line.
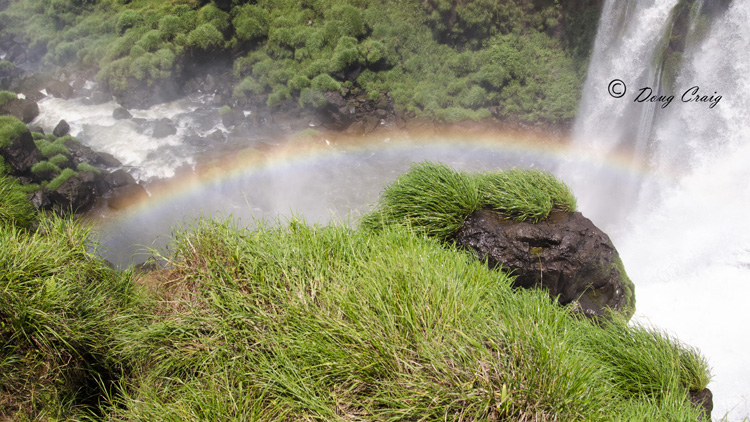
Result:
{"points": [[447, 60], [291, 321]]}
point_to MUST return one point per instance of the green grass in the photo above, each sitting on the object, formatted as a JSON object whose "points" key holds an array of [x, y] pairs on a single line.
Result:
{"points": [[434, 199], [45, 166], [51, 146], [87, 167], [10, 128], [15, 208], [63, 177], [292, 321], [58, 307], [304, 322], [6, 96]]}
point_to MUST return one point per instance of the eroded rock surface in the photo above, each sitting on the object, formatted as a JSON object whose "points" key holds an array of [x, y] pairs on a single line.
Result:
{"points": [[565, 254]]}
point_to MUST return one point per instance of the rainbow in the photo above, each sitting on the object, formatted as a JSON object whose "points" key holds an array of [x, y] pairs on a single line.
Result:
{"points": [[295, 156]]}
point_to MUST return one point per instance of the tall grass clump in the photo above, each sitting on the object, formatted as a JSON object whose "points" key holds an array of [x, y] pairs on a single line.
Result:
{"points": [[15, 208], [301, 322], [58, 311], [435, 199]]}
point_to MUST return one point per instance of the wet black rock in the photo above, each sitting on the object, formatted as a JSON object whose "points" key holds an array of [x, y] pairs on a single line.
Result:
{"points": [[163, 128], [60, 89], [40, 200], [23, 109], [233, 117], [74, 195], [106, 160], [121, 113], [703, 400], [62, 129], [119, 178], [564, 254], [217, 136], [21, 154]]}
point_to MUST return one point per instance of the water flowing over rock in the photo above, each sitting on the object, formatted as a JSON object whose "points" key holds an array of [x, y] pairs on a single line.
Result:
{"points": [[565, 254]]}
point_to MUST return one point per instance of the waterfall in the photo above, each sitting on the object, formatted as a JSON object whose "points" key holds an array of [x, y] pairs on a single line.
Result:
{"points": [[681, 228]]}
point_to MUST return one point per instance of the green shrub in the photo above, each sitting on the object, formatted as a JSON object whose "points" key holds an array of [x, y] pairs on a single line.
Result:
{"points": [[346, 54], [279, 94], [350, 20], [171, 25], [298, 82], [248, 86], [204, 37], [250, 22], [312, 97], [150, 41], [126, 20], [6, 96], [325, 82], [215, 16]]}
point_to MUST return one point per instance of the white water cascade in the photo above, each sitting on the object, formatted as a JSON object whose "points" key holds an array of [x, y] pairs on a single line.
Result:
{"points": [[682, 230]]}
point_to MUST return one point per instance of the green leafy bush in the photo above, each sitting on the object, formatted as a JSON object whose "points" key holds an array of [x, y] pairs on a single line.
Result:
{"points": [[204, 37], [312, 98], [250, 22], [6, 96]]}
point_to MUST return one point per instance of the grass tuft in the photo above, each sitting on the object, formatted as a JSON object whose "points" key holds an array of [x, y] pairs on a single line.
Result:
{"points": [[436, 200]]}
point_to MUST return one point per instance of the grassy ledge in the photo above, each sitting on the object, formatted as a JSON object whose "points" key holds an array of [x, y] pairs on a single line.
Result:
{"points": [[434, 199], [291, 321]]}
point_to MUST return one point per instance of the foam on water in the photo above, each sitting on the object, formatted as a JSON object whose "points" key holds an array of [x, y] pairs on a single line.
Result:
{"points": [[131, 141]]}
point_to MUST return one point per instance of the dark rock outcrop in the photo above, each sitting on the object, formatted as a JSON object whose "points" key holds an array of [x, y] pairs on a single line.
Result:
{"points": [[74, 194], [704, 400], [23, 109], [21, 154], [62, 129], [121, 113], [60, 89], [565, 254]]}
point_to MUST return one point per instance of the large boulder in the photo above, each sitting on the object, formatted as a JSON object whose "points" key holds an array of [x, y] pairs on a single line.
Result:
{"points": [[23, 109], [565, 254], [73, 195], [21, 154]]}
